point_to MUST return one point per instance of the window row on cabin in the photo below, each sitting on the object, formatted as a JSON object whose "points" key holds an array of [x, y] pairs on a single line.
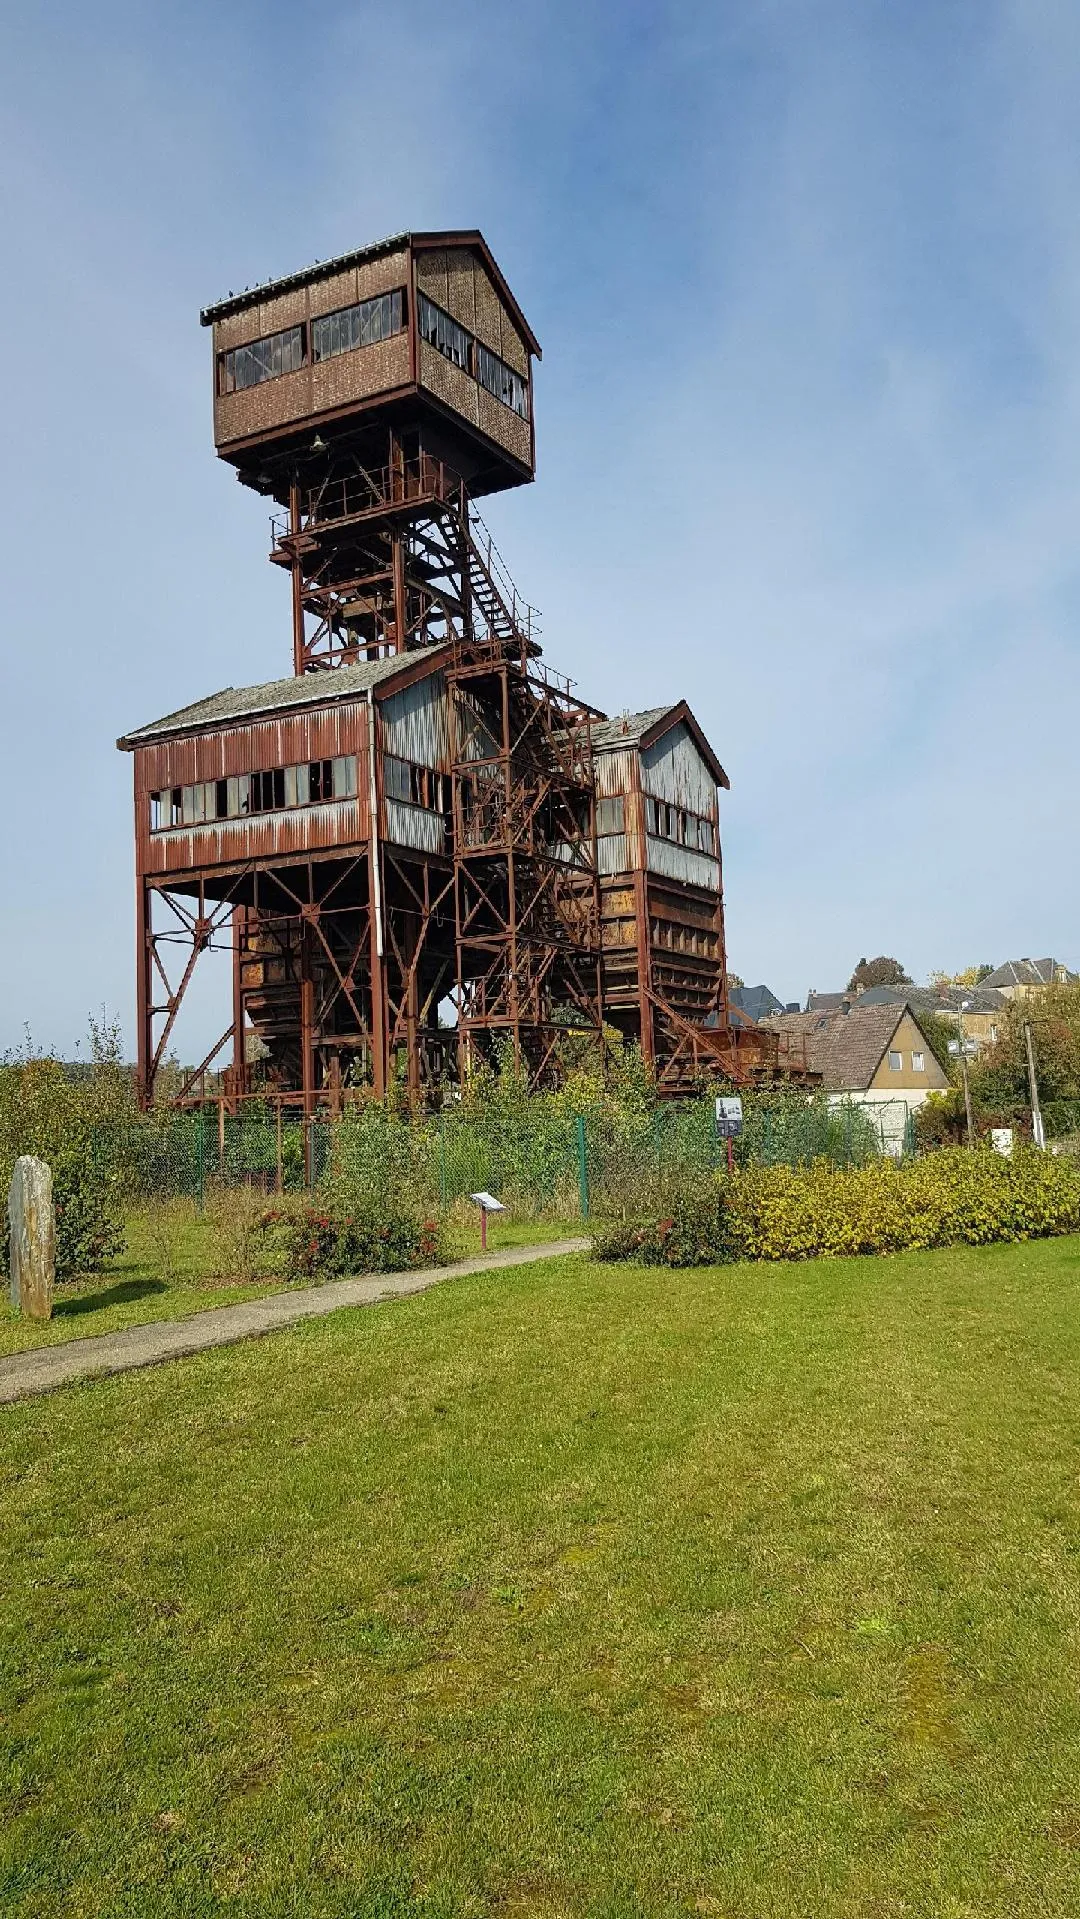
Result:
{"points": [[416, 785], [366, 324], [677, 824], [332, 333], [663, 820], [458, 346], [247, 793]]}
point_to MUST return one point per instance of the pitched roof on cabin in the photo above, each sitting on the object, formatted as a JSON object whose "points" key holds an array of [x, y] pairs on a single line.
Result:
{"points": [[237, 703], [644, 729], [1028, 972], [324, 269], [846, 1048]]}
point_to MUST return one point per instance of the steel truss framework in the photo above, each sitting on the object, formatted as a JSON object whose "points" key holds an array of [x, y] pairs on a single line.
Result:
{"points": [[341, 962]]}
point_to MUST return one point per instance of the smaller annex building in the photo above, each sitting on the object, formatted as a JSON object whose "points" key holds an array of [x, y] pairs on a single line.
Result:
{"points": [[877, 1056]]}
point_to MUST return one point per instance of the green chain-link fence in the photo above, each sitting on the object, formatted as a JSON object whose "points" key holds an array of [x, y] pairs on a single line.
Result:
{"points": [[551, 1161]]}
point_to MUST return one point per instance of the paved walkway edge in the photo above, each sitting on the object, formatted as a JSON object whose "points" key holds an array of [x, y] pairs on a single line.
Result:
{"points": [[22, 1375]]}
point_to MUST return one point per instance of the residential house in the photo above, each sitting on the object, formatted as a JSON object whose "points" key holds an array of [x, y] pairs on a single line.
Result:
{"points": [[978, 1010], [827, 1002], [875, 1055], [1017, 978], [754, 1002]]}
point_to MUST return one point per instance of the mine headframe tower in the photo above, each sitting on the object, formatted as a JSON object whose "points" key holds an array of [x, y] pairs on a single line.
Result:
{"points": [[416, 822]]}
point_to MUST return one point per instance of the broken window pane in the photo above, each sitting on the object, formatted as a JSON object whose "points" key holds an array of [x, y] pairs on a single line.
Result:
{"points": [[356, 326], [501, 380], [245, 366], [442, 332]]}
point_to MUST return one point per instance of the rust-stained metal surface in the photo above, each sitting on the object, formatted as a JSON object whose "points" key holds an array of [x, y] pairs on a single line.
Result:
{"points": [[414, 826], [424, 812], [673, 769], [416, 723], [265, 836]]}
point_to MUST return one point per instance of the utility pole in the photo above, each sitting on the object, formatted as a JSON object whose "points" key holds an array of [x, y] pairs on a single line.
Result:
{"points": [[1037, 1133], [964, 1004]]}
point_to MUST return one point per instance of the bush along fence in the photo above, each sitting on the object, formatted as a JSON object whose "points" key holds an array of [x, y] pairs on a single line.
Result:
{"points": [[951, 1197], [546, 1157]]}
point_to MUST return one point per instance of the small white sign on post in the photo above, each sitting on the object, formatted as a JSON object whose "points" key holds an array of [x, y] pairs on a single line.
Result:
{"points": [[1001, 1139], [487, 1203], [729, 1117]]}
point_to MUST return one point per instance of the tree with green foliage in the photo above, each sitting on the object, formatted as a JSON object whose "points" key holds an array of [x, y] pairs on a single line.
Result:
{"points": [[967, 976], [882, 971], [999, 1077]]}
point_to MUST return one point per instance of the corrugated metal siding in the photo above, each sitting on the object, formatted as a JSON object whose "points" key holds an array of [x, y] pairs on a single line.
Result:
{"points": [[612, 854], [415, 723], [682, 862], [414, 826], [263, 836], [614, 771], [674, 770], [255, 748]]}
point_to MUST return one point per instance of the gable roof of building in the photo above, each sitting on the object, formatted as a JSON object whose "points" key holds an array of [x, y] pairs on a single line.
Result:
{"points": [[234, 704], [755, 1001], [644, 729], [324, 269], [846, 1048], [937, 999], [827, 1002], [1028, 972]]}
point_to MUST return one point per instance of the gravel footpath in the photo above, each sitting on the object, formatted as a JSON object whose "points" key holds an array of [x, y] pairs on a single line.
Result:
{"points": [[47, 1367]]}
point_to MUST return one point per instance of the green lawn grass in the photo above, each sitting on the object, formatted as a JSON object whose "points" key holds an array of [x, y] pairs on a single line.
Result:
{"points": [[136, 1286], [563, 1590]]}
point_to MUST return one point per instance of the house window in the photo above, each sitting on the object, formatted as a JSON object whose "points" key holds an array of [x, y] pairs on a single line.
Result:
{"points": [[896, 1061], [993, 1034], [443, 333], [261, 360], [363, 325], [918, 1063]]}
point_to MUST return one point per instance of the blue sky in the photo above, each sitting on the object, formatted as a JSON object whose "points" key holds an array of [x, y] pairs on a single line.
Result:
{"points": [[807, 278]]}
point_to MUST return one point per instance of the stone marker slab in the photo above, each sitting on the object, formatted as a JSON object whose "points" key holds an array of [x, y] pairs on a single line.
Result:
{"points": [[32, 1238]]}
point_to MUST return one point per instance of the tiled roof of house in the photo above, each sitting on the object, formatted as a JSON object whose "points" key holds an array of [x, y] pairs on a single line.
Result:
{"points": [[845, 1048], [826, 1002], [1028, 972], [755, 1001], [937, 999]]}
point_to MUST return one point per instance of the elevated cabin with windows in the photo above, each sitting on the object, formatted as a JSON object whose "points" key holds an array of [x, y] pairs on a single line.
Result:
{"points": [[373, 397], [304, 823], [658, 857], [419, 330]]}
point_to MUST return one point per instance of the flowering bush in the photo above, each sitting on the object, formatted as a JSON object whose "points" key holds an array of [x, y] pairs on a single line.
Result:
{"points": [[322, 1242], [805, 1212]]}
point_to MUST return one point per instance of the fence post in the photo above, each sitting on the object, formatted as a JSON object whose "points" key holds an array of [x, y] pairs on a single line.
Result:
{"points": [[442, 1162], [200, 1160], [582, 1167]]}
